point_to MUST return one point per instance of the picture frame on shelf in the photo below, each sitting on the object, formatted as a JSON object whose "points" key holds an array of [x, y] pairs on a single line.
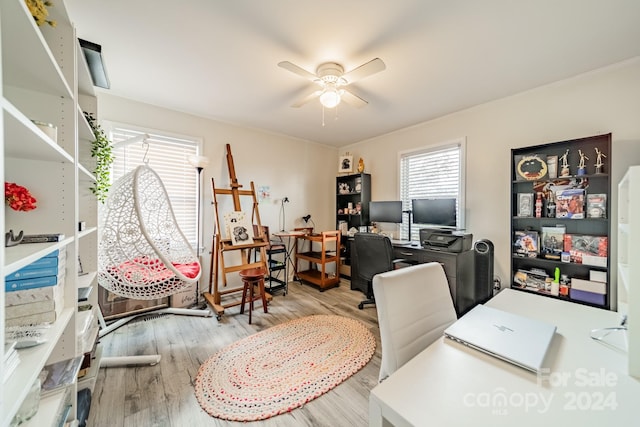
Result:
{"points": [[570, 203], [530, 167], [525, 205], [526, 243], [597, 205], [114, 306], [552, 241], [345, 164]]}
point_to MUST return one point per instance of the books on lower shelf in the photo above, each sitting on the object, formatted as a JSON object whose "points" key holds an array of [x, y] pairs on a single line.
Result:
{"points": [[34, 306], [56, 376], [43, 238], [46, 271], [35, 293], [37, 318], [588, 291], [33, 283], [56, 304], [86, 330], [48, 293]]}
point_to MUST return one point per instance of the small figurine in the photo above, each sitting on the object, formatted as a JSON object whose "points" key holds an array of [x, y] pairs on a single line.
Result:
{"points": [[551, 205], [599, 163], [582, 169], [565, 164], [539, 205], [360, 165]]}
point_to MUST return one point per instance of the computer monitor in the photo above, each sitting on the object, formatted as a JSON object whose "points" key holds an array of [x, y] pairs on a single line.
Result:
{"points": [[435, 212], [385, 211]]}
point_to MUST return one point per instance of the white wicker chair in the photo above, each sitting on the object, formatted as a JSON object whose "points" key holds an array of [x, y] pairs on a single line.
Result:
{"points": [[142, 253]]}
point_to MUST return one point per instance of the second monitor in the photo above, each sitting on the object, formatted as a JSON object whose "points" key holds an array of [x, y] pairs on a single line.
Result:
{"points": [[387, 211], [439, 213]]}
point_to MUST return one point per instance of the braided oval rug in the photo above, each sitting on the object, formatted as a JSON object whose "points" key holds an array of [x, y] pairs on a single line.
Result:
{"points": [[282, 368]]}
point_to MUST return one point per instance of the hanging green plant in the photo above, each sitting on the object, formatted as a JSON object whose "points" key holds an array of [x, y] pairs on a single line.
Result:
{"points": [[101, 150]]}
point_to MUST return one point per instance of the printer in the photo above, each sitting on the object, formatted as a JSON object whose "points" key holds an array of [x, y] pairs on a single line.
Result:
{"points": [[446, 241]]}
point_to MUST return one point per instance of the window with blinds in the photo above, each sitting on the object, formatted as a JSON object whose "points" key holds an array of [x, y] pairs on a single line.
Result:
{"points": [[168, 156], [432, 173]]}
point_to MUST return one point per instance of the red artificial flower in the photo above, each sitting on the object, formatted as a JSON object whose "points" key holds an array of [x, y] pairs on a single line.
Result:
{"points": [[18, 198]]}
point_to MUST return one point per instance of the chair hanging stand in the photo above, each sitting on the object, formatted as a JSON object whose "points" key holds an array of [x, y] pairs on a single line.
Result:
{"points": [[142, 253]]}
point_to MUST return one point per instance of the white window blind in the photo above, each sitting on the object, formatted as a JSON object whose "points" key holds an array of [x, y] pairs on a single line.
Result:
{"points": [[431, 174], [169, 157]]}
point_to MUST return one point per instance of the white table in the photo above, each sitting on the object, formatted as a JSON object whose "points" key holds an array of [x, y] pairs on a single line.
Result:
{"points": [[448, 384], [289, 256]]}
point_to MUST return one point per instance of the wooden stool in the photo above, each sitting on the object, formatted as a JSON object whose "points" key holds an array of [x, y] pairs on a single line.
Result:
{"points": [[251, 277]]}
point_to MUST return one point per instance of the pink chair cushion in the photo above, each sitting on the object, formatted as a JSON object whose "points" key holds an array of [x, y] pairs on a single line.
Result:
{"points": [[147, 270]]}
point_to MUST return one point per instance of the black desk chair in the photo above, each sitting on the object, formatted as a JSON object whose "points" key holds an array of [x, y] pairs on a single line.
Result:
{"points": [[374, 254]]}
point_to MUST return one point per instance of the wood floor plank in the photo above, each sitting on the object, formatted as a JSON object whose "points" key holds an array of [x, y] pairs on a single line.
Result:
{"points": [[163, 395]]}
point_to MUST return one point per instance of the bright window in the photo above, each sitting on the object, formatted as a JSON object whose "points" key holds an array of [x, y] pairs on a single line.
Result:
{"points": [[168, 156], [432, 173]]}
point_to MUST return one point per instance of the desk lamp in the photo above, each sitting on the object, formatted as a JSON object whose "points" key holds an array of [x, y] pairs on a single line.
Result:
{"points": [[307, 218], [284, 200]]}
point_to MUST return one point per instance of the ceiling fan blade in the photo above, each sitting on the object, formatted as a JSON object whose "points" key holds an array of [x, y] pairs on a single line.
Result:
{"points": [[297, 70], [353, 99], [313, 95], [374, 66]]}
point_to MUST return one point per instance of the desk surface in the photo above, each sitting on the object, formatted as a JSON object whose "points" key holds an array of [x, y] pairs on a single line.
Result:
{"points": [[290, 233], [584, 383]]}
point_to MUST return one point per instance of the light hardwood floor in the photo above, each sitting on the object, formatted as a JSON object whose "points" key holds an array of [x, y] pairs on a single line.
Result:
{"points": [[163, 395]]}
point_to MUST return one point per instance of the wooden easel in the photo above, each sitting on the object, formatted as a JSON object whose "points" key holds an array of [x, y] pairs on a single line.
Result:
{"points": [[222, 244]]}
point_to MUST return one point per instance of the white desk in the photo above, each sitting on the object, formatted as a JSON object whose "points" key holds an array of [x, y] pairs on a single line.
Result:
{"points": [[449, 384]]}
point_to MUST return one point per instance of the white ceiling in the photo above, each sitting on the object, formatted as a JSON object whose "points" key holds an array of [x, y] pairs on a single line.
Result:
{"points": [[218, 58]]}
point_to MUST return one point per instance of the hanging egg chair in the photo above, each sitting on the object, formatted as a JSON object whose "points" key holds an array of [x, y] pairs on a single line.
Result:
{"points": [[142, 253]]}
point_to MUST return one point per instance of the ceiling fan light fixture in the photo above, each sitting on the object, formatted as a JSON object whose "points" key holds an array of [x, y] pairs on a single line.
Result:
{"points": [[330, 97]]}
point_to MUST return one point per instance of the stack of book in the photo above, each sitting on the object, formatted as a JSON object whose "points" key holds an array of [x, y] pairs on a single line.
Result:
{"points": [[59, 375], [56, 379], [11, 360], [87, 333], [35, 293]]}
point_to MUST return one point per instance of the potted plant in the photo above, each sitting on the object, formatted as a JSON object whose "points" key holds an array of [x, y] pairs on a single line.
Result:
{"points": [[101, 150]]}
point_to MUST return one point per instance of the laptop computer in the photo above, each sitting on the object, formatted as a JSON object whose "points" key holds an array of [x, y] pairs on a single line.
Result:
{"points": [[516, 339]]}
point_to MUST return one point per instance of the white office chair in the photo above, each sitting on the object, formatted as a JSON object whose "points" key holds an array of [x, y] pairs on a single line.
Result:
{"points": [[414, 307]]}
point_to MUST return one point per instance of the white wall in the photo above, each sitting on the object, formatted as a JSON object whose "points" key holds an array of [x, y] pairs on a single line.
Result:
{"points": [[603, 101], [301, 170], [599, 102]]}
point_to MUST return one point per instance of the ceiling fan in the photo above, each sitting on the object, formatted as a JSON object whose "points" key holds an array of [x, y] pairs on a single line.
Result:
{"points": [[333, 81]]}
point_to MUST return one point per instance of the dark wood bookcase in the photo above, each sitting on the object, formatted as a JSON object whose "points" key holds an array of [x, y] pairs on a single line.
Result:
{"points": [[351, 190], [585, 255]]}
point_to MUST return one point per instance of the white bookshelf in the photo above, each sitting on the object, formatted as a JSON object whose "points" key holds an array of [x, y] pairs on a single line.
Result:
{"points": [[44, 77], [629, 262]]}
